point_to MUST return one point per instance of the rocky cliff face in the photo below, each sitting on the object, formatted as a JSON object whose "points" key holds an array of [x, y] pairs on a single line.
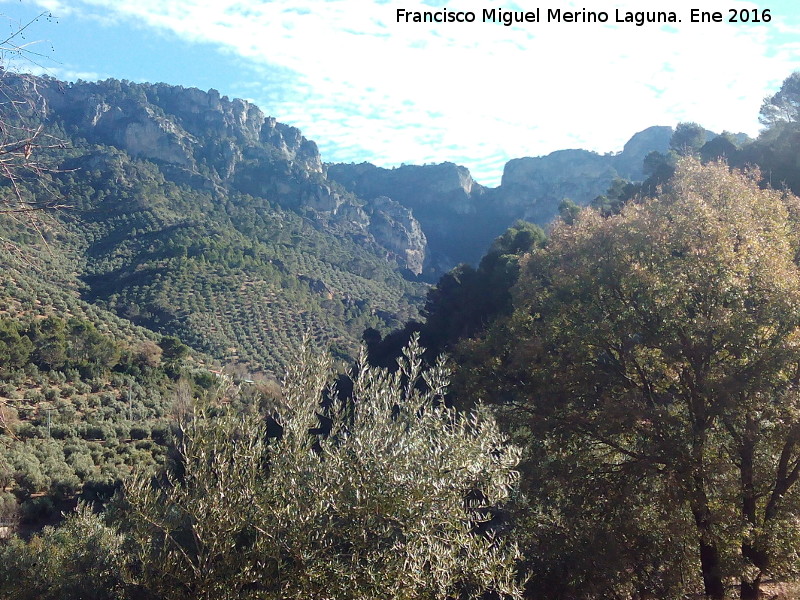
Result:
{"points": [[628, 163], [444, 198], [202, 139], [532, 188], [426, 218], [461, 217], [175, 125], [399, 231]]}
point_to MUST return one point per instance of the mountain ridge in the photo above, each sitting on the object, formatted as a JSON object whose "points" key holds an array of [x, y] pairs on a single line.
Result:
{"points": [[451, 205], [200, 216]]}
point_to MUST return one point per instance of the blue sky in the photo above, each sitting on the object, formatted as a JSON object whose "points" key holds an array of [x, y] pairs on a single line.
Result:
{"points": [[367, 88]]}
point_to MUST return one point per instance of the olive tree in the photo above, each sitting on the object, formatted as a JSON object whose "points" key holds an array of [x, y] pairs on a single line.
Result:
{"points": [[387, 493], [79, 560]]}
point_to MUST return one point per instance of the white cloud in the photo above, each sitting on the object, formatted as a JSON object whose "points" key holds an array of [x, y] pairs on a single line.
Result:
{"points": [[392, 93], [62, 72]]}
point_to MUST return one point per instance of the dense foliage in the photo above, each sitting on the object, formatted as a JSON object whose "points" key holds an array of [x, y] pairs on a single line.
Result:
{"points": [[653, 357], [78, 411], [464, 300], [384, 494]]}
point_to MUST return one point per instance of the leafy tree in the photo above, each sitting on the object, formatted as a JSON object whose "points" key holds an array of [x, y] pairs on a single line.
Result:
{"points": [[722, 147], [148, 354], [14, 348], [464, 300], [80, 560], [661, 346], [173, 350], [50, 343], [687, 139], [619, 192], [775, 152], [784, 105], [568, 210], [87, 347], [389, 494]]}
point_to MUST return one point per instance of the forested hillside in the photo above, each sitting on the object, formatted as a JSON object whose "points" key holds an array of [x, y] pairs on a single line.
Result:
{"points": [[209, 222], [185, 413]]}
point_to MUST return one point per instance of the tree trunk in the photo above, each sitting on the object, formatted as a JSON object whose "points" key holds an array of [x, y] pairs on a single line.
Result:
{"points": [[751, 590], [710, 562], [712, 573]]}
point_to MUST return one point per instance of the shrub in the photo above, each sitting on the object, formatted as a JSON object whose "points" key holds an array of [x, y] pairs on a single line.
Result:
{"points": [[375, 496], [78, 561]]}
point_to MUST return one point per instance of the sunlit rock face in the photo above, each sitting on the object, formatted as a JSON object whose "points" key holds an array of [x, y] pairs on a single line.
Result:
{"points": [[460, 217], [397, 229], [532, 188], [444, 198], [205, 140]]}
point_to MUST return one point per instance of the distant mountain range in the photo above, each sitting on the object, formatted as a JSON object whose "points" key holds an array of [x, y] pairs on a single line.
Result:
{"points": [[200, 216], [460, 217]]}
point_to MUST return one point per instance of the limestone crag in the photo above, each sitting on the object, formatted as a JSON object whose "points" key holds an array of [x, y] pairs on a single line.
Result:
{"points": [[628, 163], [399, 231], [444, 198], [206, 140], [460, 217], [532, 188], [414, 186]]}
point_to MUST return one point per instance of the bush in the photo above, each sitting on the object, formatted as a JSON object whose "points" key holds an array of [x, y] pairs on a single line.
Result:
{"points": [[38, 510], [9, 510], [33, 396], [61, 431], [97, 432], [139, 432], [99, 491], [376, 496], [28, 430], [79, 561]]}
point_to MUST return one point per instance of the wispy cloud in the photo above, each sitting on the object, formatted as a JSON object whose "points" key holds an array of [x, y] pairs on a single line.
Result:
{"points": [[368, 88], [63, 72]]}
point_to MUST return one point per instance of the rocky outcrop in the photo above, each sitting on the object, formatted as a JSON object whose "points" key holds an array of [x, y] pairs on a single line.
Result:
{"points": [[203, 139], [532, 188], [460, 217], [628, 163], [444, 198], [427, 188], [399, 231], [176, 126]]}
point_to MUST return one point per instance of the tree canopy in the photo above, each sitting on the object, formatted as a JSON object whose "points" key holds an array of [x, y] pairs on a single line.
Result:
{"points": [[660, 345], [783, 105], [387, 494]]}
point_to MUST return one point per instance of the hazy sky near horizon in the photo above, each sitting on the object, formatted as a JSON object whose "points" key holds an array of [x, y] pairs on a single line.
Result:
{"points": [[367, 88]]}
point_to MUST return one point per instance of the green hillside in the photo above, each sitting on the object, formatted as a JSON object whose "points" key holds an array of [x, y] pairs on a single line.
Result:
{"points": [[236, 276]]}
